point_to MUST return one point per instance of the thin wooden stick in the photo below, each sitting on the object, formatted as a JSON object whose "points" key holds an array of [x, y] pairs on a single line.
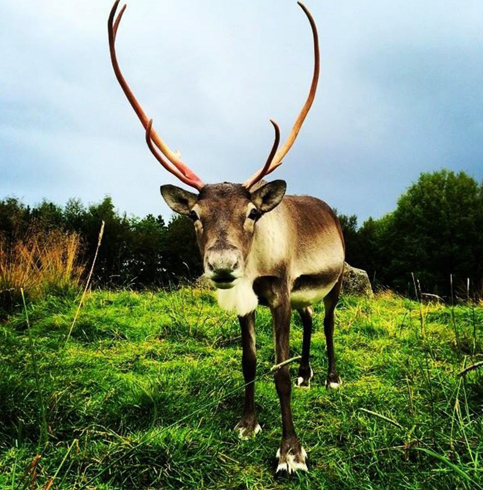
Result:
{"points": [[471, 368], [99, 240], [284, 363]]}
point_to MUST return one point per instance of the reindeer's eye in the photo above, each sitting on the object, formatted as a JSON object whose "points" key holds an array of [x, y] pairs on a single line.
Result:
{"points": [[193, 215], [254, 214]]}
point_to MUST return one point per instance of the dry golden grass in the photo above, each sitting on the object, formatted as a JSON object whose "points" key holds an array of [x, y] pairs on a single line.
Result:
{"points": [[44, 261]]}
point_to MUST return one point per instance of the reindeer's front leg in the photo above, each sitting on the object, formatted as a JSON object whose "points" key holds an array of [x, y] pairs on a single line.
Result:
{"points": [[291, 455], [248, 424]]}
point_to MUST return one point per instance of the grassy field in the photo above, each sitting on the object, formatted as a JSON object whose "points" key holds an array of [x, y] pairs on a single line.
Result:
{"points": [[147, 389]]}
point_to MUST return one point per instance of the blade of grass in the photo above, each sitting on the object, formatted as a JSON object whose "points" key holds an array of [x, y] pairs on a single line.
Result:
{"points": [[382, 417], [451, 465], [44, 433], [52, 479]]}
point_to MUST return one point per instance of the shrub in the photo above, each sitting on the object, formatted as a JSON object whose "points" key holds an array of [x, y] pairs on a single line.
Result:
{"points": [[44, 262]]}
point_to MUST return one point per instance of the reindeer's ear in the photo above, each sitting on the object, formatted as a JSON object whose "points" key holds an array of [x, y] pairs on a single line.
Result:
{"points": [[269, 196], [178, 199]]}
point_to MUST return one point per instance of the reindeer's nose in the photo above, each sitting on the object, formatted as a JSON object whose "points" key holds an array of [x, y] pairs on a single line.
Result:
{"points": [[217, 267], [223, 264], [222, 259]]}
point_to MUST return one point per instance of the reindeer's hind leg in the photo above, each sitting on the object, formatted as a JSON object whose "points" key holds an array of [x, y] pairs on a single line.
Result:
{"points": [[330, 302], [305, 371]]}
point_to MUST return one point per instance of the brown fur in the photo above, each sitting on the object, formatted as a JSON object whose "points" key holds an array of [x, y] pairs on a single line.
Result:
{"points": [[292, 254]]}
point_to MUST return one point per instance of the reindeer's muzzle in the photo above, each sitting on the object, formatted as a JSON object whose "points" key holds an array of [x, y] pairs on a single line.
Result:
{"points": [[223, 265]]}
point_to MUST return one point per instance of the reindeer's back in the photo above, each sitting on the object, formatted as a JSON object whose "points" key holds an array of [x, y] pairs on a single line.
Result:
{"points": [[317, 248]]}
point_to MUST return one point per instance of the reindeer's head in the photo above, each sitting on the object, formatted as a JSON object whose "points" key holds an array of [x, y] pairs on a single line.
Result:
{"points": [[224, 215]]}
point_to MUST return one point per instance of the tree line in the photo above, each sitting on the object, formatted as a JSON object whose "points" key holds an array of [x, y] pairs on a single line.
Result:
{"points": [[435, 232], [134, 252], [435, 235]]}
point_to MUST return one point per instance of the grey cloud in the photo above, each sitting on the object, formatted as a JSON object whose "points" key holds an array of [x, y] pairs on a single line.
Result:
{"points": [[400, 94]]}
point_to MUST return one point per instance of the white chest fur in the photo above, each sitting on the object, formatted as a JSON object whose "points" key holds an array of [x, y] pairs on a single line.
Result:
{"points": [[240, 298]]}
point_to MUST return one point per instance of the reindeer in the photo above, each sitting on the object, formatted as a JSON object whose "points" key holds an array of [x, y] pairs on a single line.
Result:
{"points": [[260, 246]]}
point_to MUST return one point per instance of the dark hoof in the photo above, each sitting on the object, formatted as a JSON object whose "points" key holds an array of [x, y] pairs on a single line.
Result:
{"points": [[333, 382], [247, 428], [291, 458], [304, 377]]}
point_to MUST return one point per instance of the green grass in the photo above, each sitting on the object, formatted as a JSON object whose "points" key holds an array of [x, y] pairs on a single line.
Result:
{"points": [[148, 388]]}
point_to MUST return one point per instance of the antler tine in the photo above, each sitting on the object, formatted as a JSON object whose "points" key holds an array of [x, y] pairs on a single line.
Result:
{"points": [[167, 165], [175, 165], [278, 158], [118, 18], [263, 171]]}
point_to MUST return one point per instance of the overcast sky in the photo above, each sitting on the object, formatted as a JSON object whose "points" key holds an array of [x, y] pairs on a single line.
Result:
{"points": [[400, 93]]}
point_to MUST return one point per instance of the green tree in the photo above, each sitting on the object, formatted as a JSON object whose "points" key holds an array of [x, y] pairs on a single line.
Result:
{"points": [[113, 259], [74, 215], [15, 219], [47, 216], [435, 232], [147, 262], [373, 250], [182, 255], [349, 230]]}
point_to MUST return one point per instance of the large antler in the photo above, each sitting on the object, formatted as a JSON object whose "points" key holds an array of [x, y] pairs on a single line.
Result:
{"points": [[278, 157], [174, 165]]}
